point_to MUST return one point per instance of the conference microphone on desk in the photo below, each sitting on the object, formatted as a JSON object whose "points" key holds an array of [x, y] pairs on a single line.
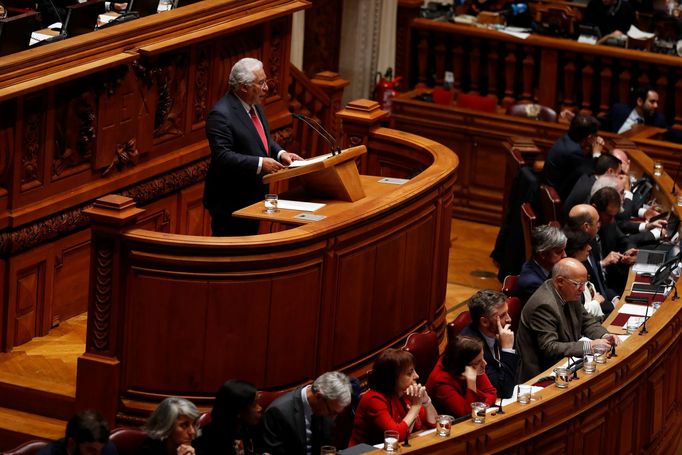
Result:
{"points": [[319, 129]]}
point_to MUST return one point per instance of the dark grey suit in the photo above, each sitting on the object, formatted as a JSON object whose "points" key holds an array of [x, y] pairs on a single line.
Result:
{"points": [[232, 182], [546, 335], [284, 427]]}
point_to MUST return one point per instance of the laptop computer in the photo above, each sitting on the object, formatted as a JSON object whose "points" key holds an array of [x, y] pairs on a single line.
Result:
{"points": [[82, 17], [143, 7], [648, 261], [15, 32]]}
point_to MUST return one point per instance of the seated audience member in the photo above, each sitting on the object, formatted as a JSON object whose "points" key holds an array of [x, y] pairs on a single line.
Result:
{"points": [[86, 433], [171, 428], [235, 418], [612, 238], [548, 248], [553, 322], [578, 247], [621, 118], [394, 401], [490, 322], [459, 378], [613, 18], [606, 164], [571, 155], [301, 421]]}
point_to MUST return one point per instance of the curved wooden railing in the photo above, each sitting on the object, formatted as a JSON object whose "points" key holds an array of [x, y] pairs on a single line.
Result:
{"points": [[631, 405], [178, 315]]}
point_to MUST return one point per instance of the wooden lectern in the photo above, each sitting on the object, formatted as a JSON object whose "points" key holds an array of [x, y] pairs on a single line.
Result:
{"points": [[335, 177]]}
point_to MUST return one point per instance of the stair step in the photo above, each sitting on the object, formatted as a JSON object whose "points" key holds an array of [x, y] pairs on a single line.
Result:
{"points": [[17, 427]]}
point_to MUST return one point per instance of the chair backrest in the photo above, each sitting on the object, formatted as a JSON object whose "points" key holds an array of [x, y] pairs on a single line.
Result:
{"points": [[128, 441], [442, 96], [265, 397], [532, 111], [509, 285], [424, 348], [551, 204], [514, 309], [27, 448], [475, 102], [204, 419], [453, 328], [528, 222]]}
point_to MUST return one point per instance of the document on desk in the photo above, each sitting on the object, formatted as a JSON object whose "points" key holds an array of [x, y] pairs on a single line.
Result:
{"points": [[515, 31], [298, 205], [317, 159], [636, 310]]}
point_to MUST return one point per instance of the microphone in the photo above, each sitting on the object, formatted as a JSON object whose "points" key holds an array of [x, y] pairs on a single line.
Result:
{"points": [[319, 129]]}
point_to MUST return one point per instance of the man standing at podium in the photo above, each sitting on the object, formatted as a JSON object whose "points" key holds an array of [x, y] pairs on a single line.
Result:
{"points": [[242, 150]]}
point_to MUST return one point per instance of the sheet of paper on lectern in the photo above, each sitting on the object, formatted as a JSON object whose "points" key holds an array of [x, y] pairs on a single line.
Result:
{"points": [[317, 159], [298, 205]]}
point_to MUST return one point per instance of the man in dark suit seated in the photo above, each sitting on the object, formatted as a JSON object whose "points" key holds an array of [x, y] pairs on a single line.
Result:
{"points": [[622, 117], [242, 150], [607, 164], [549, 245], [301, 421], [86, 433], [490, 322], [572, 155], [554, 324], [613, 18]]}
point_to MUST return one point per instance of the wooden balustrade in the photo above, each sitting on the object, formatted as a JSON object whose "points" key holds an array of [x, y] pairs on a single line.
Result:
{"points": [[555, 72], [173, 314]]}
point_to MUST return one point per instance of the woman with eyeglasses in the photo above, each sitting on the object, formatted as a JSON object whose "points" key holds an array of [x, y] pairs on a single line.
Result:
{"points": [[235, 419], [171, 428], [459, 378], [394, 401]]}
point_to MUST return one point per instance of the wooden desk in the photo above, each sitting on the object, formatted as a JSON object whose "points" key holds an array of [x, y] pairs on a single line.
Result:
{"points": [[374, 189]]}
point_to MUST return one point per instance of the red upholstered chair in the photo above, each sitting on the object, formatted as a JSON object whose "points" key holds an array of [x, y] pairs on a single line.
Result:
{"points": [[477, 102], [551, 204], [128, 440], [528, 222], [514, 309], [442, 96], [266, 397], [27, 448], [509, 285], [424, 348], [457, 325]]}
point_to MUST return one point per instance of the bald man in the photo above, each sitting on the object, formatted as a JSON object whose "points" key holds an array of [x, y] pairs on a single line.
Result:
{"points": [[554, 324]]}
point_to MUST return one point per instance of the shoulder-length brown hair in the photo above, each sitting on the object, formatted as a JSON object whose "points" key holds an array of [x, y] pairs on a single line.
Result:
{"points": [[459, 353], [387, 368]]}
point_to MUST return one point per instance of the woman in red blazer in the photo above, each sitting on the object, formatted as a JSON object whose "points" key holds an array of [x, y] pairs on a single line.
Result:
{"points": [[459, 378], [395, 400]]}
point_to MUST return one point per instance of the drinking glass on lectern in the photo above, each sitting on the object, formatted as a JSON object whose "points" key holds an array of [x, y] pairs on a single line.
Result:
{"points": [[443, 425], [600, 353], [562, 377], [589, 364], [478, 412], [524, 393], [270, 203]]}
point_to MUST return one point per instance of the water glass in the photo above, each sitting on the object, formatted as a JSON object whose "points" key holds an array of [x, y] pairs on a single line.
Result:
{"points": [[327, 450], [600, 353], [524, 395], [391, 444], [589, 364], [562, 377], [270, 203], [632, 325], [478, 412], [658, 168], [443, 425]]}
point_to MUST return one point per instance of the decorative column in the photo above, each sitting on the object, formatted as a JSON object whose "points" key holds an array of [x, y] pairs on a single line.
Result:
{"points": [[333, 85], [98, 373]]}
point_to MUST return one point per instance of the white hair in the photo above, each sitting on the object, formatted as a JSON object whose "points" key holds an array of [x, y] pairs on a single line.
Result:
{"points": [[162, 421], [242, 72], [604, 181], [334, 386]]}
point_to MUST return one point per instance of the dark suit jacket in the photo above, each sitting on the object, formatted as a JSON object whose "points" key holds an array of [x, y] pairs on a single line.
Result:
{"points": [[545, 336], [580, 193], [565, 163], [619, 112], [284, 427], [502, 375], [232, 182], [531, 277]]}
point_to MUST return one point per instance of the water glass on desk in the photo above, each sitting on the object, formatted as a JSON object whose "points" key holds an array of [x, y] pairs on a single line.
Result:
{"points": [[270, 204], [658, 168], [524, 395], [562, 377], [589, 365], [600, 353], [443, 425], [391, 444], [478, 412]]}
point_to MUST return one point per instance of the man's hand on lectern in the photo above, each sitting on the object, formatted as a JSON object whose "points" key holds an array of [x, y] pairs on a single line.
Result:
{"points": [[287, 158], [270, 166]]}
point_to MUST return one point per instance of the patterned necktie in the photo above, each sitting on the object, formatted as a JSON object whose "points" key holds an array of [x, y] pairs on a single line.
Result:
{"points": [[259, 127]]}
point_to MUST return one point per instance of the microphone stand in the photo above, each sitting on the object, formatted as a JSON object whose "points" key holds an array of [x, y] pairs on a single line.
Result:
{"points": [[319, 129], [501, 365], [660, 278]]}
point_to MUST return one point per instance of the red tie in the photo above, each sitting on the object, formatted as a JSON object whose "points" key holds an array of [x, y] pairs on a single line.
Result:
{"points": [[259, 127]]}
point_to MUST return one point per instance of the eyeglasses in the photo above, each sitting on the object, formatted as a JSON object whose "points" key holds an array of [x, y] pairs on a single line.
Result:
{"points": [[577, 284], [262, 84]]}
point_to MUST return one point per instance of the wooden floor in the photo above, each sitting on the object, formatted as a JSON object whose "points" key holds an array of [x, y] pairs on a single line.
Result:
{"points": [[48, 364]]}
